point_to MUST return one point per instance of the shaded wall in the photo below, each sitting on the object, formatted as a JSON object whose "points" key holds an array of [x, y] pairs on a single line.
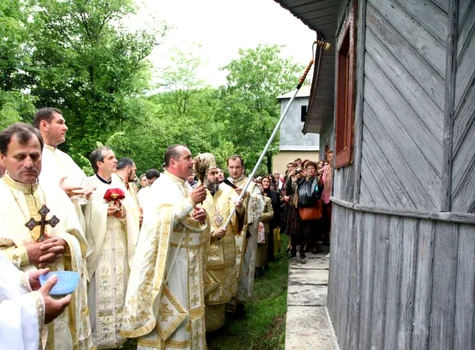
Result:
{"points": [[402, 270]]}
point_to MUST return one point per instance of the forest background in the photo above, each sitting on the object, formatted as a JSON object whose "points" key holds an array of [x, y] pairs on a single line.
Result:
{"points": [[81, 57]]}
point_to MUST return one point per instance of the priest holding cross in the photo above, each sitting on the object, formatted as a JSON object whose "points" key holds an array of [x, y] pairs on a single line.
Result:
{"points": [[39, 228]]}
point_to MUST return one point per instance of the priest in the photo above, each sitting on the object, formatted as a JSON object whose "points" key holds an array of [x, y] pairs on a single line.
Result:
{"points": [[221, 265], [112, 228], [165, 297], [58, 168], [246, 242], [126, 174], [39, 228]]}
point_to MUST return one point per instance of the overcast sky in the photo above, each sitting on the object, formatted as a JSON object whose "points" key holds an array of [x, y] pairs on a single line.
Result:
{"points": [[223, 27]]}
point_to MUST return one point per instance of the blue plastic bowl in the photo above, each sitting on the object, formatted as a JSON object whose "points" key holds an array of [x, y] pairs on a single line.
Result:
{"points": [[67, 282]]}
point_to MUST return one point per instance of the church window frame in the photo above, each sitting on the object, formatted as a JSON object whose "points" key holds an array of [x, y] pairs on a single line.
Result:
{"points": [[345, 91]]}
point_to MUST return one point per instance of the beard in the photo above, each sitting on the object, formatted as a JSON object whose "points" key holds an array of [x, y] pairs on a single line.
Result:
{"points": [[212, 186]]}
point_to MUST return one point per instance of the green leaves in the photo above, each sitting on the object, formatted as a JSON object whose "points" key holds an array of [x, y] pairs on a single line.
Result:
{"points": [[82, 57]]}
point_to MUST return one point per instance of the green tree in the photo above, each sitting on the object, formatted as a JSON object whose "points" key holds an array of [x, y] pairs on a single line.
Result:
{"points": [[15, 58], [249, 100], [91, 65]]}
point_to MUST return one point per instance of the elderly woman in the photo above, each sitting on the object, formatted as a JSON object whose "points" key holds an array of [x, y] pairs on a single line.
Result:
{"points": [[293, 217], [275, 222], [309, 194]]}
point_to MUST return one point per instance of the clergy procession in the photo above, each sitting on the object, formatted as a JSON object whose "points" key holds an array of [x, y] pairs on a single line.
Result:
{"points": [[164, 265]]}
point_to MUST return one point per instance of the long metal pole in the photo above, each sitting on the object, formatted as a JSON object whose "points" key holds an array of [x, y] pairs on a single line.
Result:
{"points": [[272, 136]]}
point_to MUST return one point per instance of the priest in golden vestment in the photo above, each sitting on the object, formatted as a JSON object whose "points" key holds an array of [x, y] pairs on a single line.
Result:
{"points": [[45, 241], [221, 265], [246, 242], [112, 229], [165, 306]]}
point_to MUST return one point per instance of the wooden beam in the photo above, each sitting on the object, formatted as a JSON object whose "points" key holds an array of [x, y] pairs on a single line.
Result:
{"points": [[360, 67], [462, 218]]}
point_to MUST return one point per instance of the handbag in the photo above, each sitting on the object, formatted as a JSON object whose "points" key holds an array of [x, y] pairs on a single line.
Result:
{"points": [[311, 213]]}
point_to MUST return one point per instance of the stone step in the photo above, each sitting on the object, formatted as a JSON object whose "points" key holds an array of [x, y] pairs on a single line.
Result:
{"points": [[308, 276], [308, 328], [306, 295]]}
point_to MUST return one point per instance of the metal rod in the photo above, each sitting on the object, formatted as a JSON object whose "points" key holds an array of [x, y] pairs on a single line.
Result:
{"points": [[251, 176]]}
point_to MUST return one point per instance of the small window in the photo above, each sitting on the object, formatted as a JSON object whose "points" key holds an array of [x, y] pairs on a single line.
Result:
{"points": [[345, 103], [303, 113]]}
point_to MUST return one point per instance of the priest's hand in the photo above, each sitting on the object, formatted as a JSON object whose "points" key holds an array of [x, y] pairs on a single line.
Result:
{"points": [[34, 252], [239, 191], [112, 209], [219, 233], [199, 214], [53, 307], [198, 195], [34, 278], [69, 190], [52, 249]]}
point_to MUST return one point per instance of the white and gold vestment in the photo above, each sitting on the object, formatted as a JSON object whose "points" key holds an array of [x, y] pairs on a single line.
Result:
{"points": [[20, 202], [246, 242], [221, 264], [165, 298], [113, 242]]}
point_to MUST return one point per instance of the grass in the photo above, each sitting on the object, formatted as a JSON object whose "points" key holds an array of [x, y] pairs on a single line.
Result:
{"points": [[262, 326]]}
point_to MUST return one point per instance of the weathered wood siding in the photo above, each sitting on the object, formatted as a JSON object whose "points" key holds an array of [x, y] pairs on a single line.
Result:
{"points": [[403, 105], [402, 269], [463, 171], [401, 283], [343, 183]]}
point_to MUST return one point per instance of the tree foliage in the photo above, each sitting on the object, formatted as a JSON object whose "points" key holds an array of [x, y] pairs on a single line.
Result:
{"points": [[16, 104], [249, 101], [90, 65], [81, 56]]}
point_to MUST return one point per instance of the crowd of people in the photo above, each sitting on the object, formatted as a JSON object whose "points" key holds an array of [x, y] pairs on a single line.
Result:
{"points": [[162, 260], [305, 185]]}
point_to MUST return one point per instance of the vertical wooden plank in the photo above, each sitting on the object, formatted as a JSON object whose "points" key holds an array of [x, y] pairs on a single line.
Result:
{"points": [[442, 314], [423, 290], [344, 277], [333, 282], [360, 63], [367, 269], [353, 287], [356, 282], [378, 311], [408, 283], [450, 75], [464, 329], [393, 281], [349, 182]]}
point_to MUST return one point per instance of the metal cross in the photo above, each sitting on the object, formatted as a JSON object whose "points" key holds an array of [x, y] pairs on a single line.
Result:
{"points": [[32, 223]]}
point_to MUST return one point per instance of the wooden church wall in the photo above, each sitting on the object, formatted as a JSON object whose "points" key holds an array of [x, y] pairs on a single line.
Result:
{"points": [[403, 108], [402, 270], [401, 282]]}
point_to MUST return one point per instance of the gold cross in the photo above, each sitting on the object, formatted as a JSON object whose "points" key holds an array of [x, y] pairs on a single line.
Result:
{"points": [[165, 312], [32, 223]]}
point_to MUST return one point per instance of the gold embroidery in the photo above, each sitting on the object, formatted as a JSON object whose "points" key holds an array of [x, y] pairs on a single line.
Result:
{"points": [[165, 312]]}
